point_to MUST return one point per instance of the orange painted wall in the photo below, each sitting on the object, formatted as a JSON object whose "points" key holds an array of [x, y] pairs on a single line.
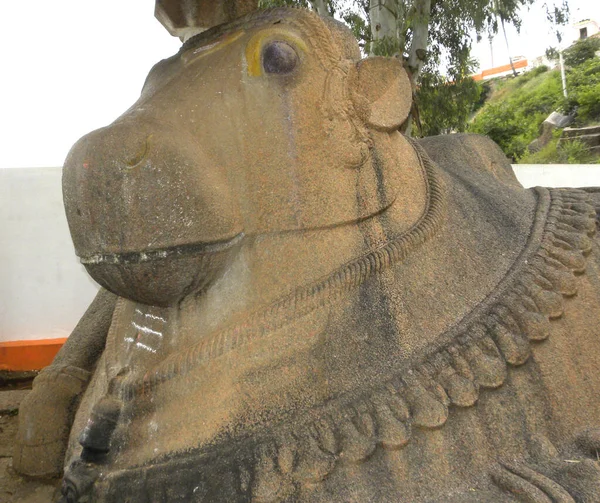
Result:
{"points": [[28, 355], [500, 69]]}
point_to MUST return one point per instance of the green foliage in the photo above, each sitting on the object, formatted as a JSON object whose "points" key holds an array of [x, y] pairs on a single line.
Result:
{"points": [[554, 152], [359, 26], [518, 107], [485, 87], [526, 77], [581, 51], [583, 84], [267, 4], [514, 121], [552, 53], [446, 106], [386, 46]]}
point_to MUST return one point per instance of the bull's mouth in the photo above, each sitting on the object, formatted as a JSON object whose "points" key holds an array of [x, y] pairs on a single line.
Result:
{"points": [[179, 251]]}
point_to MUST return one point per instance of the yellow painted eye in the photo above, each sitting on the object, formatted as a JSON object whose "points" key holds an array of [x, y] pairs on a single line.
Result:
{"points": [[274, 51], [279, 58]]}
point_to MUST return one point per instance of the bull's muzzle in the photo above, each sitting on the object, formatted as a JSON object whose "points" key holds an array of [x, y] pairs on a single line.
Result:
{"points": [[152, 218]]}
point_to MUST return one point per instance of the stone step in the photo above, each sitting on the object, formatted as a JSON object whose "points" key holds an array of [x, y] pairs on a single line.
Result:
{"points": [[592, 140], [570, 132]]}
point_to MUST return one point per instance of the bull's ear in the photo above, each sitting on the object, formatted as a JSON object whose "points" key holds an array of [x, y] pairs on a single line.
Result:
{"points": [[382, 92]]}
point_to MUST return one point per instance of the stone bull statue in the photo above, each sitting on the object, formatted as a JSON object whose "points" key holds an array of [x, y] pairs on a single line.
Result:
{"points": [[301, 304]]}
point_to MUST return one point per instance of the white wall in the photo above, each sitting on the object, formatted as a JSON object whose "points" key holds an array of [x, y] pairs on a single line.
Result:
{"points": [[558, 175], [43, 288]]}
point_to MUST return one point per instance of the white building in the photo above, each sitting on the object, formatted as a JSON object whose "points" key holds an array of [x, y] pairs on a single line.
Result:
{"points": [[584, 29]]}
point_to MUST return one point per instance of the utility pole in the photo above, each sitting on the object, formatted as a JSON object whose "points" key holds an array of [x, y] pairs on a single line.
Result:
{"points": [[562, 72]]}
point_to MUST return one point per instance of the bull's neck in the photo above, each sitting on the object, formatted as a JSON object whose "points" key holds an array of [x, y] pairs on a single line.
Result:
{"points": [[277, 272], [277, 281]]}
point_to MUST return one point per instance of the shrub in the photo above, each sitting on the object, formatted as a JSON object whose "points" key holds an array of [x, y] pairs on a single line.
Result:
{"points": [[514, 121], [581, 51], [538, 70], [574, 152], [446, 106], [515, 112], [583, 85]]}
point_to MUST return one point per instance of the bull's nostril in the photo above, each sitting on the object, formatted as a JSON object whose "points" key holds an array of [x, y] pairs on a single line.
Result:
{"points": [[140, 155]]}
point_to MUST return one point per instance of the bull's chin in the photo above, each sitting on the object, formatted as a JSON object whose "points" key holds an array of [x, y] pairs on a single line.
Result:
{"points": [[162, 277]]}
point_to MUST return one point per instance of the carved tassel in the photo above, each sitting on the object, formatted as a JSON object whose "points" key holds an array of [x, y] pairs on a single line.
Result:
{"points": [[582, 208], [573, 260], [461, 391], [391, 433], [425, 375], [581, 223], [313, 464], [460, 364], [561, 279], [514, 346], [575, 240], [355, 447], [535, 325], [540, 280], [269, 484], [489, 368], [396, 404], [426, 410], [547, 302], [325, 434], [286, 454]]}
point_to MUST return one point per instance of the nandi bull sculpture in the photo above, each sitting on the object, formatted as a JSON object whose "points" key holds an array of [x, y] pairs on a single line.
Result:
{"points": [[301, 304]]}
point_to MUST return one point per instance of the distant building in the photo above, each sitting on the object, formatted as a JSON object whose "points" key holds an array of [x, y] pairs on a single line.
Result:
{"points": [[540, 61], [519, 62], [584, 29]]}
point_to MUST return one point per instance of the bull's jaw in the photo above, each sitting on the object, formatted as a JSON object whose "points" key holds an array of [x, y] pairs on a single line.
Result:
{"points": [[162, 277]]}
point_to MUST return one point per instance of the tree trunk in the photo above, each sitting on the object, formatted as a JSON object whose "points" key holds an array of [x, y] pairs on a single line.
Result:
{"points": [[320, 7], [383, 15], [417, 52], [507, 48]]}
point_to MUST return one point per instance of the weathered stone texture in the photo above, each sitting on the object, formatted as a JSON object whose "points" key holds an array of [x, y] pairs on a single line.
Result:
{"points": [[308, 306]]}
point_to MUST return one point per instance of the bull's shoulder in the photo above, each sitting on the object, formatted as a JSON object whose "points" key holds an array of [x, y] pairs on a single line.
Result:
{"points": [[466, 155]]}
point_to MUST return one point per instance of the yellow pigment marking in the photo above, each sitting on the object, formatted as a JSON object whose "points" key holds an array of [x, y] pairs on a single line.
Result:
{"points": [[199, 52], [256, 43]]}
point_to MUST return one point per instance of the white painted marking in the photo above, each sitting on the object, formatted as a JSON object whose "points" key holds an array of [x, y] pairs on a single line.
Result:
{"points": [[146, 330], [143, 346]]}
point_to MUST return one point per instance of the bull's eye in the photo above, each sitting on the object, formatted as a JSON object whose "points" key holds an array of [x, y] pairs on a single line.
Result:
{"points": [[279, 57]]}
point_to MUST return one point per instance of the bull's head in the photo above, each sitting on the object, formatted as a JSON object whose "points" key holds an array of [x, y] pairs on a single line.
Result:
{"points": [[269, 124]]}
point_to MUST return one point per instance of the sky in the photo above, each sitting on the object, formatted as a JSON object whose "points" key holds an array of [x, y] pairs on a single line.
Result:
{"points": [[535, 36], [71, 66]]}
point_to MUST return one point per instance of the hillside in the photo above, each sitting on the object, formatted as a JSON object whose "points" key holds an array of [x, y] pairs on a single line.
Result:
{"points": [[516, 108]]}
